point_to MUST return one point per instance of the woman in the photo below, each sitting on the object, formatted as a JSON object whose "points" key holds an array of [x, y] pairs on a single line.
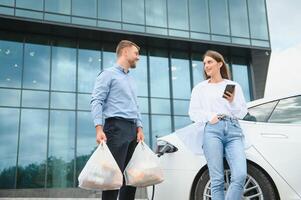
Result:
{"points": [[222, 133]]}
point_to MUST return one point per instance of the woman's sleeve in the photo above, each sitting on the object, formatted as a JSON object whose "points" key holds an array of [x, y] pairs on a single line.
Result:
{"points": [[238, 107], [197, 112]]}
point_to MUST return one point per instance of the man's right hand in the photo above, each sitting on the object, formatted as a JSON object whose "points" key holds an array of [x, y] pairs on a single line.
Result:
{"points": [[100, 135]]}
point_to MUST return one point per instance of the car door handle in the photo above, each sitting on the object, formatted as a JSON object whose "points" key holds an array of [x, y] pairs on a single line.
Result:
{"points": [[274, 135]]}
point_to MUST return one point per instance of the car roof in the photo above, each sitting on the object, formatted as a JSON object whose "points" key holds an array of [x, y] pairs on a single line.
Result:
{"points": [[271, 98]]}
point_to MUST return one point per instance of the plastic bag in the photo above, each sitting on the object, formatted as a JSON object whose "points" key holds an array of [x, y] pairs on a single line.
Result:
{"points": [[101, 171], [143, 169]]}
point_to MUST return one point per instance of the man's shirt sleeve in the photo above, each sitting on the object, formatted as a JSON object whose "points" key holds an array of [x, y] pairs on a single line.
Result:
{"points": [[99, 95]]}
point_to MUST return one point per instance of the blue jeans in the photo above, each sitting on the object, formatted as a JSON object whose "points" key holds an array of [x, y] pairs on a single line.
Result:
{"points": [[225, 138]]}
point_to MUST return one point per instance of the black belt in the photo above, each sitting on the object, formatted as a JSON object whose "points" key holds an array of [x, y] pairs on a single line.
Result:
{"points": [[133, 121]]}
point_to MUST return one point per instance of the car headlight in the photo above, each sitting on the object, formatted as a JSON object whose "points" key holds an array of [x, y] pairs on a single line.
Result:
{"points": [[165, 147]]}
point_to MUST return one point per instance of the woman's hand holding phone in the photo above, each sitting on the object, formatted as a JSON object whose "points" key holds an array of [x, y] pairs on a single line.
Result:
{"points": [[229, 92]]}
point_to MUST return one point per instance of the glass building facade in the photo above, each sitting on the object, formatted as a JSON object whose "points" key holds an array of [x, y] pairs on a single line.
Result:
{"points": [[52, 50]]}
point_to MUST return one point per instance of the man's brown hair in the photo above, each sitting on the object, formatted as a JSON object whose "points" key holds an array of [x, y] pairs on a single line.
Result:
{"points": [[225, 73], [123, 44]]}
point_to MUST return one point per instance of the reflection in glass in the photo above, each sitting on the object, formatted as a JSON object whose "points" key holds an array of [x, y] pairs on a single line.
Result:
{"points": [[239, 18], [8, 146], [199, 17], [109, 59], [38, 99], [109, 9], [58, 6], [219, 17], [133, 11], [30, 4], [177, 14], [85, 140], [160, 106], [159, 76], [10, 97], [287, 111], [262, 112], [63, 68], [32, 155], [258, 19], [83, 101], [89, 63], [140, 76], [180, 78], [161, 125], [156, 13], [181, 122], [85, 8], [11, 63], [241, 75], [61, 149], [61, 100], [36, 67], [180, 107]]}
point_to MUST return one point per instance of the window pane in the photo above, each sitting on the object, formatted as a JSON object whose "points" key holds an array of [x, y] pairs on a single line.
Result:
{"points": [[180, 78], [109, 59], [6, 11], [109, 9], [63, 68], [61, 100], [85, 140], [37, 99], [8, 146], [287, 111], [133, 11], [9, 97], [219, 17], [30, 4], [177, 14], [83, 101], [29, 14], [181, 122], [199, 17], [11, 54], [239, 18], [241, 75], [7, 2], [140, 76], [61, 149], [159, 76], [156, 13], [262, 112], [36, 67], [180, 107], [89, 63], [85, 8], [143, 104], [58, 6], [160, 106], [32, 155], [161, 125], [258, 20], [197, 70]]}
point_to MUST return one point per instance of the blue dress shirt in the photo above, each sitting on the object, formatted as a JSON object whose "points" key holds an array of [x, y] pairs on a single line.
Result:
{"points": [[115, 95]]}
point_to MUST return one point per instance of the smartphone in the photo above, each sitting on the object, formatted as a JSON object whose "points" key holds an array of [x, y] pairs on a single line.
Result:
{"points": [[229, 88]]}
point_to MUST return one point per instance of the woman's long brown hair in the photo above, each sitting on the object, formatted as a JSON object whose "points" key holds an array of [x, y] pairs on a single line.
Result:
{"points": [[225, 73]]}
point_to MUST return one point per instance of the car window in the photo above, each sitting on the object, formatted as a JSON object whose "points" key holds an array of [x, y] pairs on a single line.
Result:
{"points": [[261, 112], [287, 111]]}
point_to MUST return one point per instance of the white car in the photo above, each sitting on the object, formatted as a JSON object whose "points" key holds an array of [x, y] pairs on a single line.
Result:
{"points": [[273, 156]]}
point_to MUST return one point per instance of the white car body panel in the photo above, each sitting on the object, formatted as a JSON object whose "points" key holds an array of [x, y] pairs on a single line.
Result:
{"points": [[274, 147]]}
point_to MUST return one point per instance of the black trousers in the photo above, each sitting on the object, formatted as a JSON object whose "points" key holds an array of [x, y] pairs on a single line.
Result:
{"points": [[121, 140]]}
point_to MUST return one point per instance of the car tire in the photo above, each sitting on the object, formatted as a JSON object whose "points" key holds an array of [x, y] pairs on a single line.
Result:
{"points": [[256, 177]]}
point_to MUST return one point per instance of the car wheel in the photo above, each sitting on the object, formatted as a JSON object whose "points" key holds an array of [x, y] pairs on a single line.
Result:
{"points": [[257, 185]]}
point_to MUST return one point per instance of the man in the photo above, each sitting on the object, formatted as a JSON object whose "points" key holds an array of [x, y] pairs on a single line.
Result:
{"points": [[114, 99]]}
